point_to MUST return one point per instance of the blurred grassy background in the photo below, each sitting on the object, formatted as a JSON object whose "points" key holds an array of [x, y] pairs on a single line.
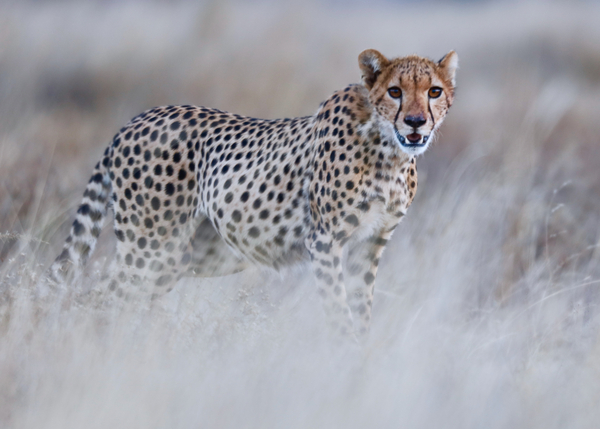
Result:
{"points": [[492, 278]]}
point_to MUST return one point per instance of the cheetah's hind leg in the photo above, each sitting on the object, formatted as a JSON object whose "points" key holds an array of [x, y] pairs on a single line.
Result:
{"points": [[211, 257], [197, 251]]}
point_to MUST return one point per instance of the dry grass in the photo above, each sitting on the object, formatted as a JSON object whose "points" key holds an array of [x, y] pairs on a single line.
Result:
{"points": [[487, 304]]}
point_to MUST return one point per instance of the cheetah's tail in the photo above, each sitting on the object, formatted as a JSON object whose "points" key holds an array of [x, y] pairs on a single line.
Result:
{"points": [[87, 225]]}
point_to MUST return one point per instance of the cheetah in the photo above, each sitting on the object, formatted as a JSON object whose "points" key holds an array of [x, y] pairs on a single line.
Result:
{"points": [[197, 191]]}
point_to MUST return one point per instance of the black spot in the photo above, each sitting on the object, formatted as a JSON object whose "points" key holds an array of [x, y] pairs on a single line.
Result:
{"points": [[142, 242], [236, 216], [156, 266], [135, 220], [352, 220], [163, 280], [84, 209], [78, 228], [120, 235], [380, 241], [364, 206], [169, 189], [254, 232], [155, 202], [148, 182]]}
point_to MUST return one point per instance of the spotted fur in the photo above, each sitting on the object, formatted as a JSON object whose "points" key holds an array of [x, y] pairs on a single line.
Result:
{"points": [[200, 192]]}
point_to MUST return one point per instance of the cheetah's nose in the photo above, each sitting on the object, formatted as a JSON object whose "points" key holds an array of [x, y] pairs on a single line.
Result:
{"points": [[414, 121]]}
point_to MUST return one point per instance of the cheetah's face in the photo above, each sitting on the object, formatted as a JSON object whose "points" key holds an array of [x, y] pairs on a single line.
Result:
{"points": [[411, 95]]}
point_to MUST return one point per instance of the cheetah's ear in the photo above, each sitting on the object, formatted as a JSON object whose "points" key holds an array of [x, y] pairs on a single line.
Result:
{"points": [[371, 63], [448, 66]]}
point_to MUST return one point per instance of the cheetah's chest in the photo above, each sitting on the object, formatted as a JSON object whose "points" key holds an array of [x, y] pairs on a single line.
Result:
{"points": [[385, 203]]}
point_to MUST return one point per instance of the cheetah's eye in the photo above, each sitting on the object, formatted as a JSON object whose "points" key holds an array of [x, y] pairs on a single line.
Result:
{"points": [[435, 92], [395, 92]]}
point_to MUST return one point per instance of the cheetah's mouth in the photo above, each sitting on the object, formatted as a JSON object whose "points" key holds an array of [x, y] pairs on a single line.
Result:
{"points": [[413, 140]]}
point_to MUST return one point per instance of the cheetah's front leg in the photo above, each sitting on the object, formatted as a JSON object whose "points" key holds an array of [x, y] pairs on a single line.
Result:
{"points": [[326, 257], [361, 269]]}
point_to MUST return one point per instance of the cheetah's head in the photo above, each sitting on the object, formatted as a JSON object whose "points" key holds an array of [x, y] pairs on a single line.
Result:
{"points": [[411, 95]]}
